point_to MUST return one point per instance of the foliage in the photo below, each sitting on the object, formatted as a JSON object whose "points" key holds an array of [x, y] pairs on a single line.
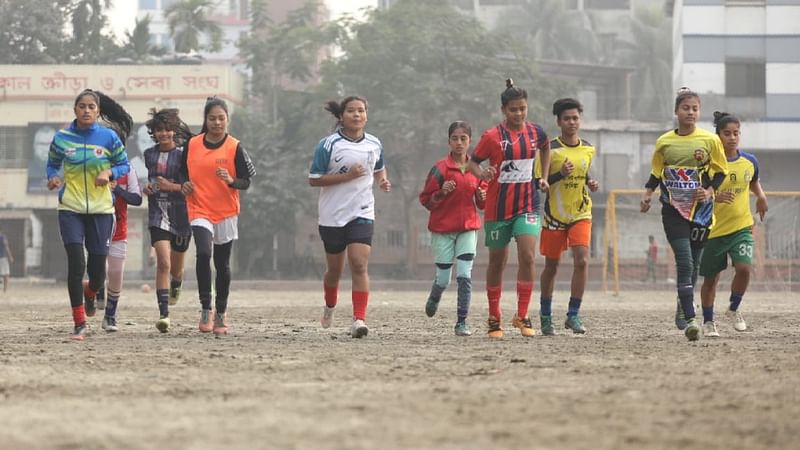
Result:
{"points": [[187, 21], [31, 31], [420, 72], [90, 43], [137, 45], [651, 54]]}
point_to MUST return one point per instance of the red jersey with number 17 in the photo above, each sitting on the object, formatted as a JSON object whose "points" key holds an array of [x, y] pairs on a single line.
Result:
{"points": [[512, 153]]}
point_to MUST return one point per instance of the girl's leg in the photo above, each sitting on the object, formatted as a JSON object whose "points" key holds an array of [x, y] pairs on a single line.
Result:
{"points": [[203, 247]]}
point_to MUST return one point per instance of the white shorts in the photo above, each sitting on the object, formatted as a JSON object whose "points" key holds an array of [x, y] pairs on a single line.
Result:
{"points": [[4, 272], [223, 232], [118, 249]]}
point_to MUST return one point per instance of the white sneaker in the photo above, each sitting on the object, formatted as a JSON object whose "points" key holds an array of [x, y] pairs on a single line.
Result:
{"points": [[327, 316], [710, 329], [359, 329], [737, 319]]}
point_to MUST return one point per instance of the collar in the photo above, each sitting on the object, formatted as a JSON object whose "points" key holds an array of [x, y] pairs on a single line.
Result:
{"points": [[74, 127], [735, 157], [451, 163], [348, 138], [580, 141]]}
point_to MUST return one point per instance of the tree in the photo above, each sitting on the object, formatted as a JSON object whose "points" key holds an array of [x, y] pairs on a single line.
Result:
{"points": [[651, 55], [274, 125], [90, 43], [137, 45], [31, 31], [420, 72], [547, 30], [188, 20]]}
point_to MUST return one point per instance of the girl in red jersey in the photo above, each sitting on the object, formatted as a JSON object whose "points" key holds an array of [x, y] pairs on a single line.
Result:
{"points": [[453, 194], [217, 167], [511, 204], [126, 192]]}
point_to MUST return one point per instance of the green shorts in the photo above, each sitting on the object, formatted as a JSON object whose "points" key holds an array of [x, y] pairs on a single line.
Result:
{"points": [[738, 245], [446, 246], [499, 233]]}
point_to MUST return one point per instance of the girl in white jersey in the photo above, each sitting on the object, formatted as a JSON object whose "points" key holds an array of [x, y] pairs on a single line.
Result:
{"points": [[345, 165]]}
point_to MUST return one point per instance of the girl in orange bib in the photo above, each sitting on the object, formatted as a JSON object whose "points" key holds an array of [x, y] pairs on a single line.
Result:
{"points": [[217, 167]]}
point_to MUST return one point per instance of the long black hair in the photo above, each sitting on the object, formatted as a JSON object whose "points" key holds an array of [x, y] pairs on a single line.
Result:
{"points": [[337, 108], [168, 119], [111, 112], [722, 119], [512, 93], [210, 103]]}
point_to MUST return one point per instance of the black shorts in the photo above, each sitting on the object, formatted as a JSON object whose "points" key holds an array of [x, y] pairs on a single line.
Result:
{"points": [[336, 239], [676, 227], [178, 243]]}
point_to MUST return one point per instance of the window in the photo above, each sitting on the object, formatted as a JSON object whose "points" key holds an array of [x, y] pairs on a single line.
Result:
{"points": [[147, 4], [244, 9], [13, 147], [167, 3], [745, 79]]}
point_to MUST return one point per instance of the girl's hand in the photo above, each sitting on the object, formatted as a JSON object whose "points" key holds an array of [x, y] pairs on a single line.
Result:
{"points": [[148, 189], [222, 174], [544, 186], [357, 170], [761, 207], [489, 173], [481, 194], [724, 197], [567, 168], [448, 186], [703, 194], [164, 184], [103, 178], [385, 185], [187, 188], [594, 185], [54, 183], [644, 204]]}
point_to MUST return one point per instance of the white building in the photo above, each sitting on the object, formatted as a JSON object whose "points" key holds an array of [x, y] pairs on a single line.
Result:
{"points": [[743, 57]]}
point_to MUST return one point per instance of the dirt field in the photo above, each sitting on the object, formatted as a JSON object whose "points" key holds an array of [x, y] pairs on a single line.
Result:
{"points": [[280, 381]]}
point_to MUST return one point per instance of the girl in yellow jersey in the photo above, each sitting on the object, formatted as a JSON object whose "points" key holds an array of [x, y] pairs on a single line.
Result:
{"points": [[567, 214], [688, 167], [732, 234]]}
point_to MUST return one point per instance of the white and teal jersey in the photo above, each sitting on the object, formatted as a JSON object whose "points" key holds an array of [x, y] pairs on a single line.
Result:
{"points": [[342, 203]]}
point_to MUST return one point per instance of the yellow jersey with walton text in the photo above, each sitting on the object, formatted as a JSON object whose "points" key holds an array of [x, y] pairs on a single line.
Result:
{"points": [[681, 163]]}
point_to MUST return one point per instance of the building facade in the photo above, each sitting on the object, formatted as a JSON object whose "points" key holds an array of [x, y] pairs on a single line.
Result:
{"points": [[38, 100], [743, 57]]}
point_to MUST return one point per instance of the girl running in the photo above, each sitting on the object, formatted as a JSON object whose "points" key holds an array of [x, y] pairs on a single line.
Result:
{"points": [[91, 156], [126, 192], [732, 234], [567, 214], [216, 167], [511, 205], [168, 221], [688, 167], [345, 165], [452, 194]]}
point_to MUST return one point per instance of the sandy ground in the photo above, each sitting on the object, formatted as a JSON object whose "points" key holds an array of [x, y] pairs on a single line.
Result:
{"points": [[280, 381]]}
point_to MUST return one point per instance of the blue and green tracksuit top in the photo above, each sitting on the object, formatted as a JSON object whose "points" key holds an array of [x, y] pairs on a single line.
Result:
{"points": [[84, 153]]}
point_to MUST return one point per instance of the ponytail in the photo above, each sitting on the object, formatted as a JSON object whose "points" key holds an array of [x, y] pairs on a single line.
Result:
{"points": [[337, 108], [111, 112], [512, 93]]}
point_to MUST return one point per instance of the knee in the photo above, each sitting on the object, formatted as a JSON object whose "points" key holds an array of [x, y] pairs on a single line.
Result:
{"points": [[743, 270], [359, 266], [581, 262], [526, 258]]}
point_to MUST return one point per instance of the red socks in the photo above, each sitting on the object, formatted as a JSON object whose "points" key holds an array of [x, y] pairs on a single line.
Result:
{"points": [[331, 295], [360, 300], [79, 315], [524, 290], [493, 292]]}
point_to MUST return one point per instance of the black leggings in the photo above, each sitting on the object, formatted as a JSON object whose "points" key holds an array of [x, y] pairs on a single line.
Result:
{"points": [[204, 243], [76, 266]]}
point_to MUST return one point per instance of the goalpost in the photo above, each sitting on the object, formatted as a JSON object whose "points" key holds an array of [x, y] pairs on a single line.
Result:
{"points": [[625, 244]]}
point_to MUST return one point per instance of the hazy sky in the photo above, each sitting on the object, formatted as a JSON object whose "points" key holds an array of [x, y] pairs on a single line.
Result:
{"points": [[123, 13]]}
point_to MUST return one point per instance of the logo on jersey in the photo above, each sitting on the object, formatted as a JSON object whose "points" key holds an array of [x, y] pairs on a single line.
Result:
{"points": [[343, 169], [69, 152], [338, 158], [98, 152], [516, 171]]}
